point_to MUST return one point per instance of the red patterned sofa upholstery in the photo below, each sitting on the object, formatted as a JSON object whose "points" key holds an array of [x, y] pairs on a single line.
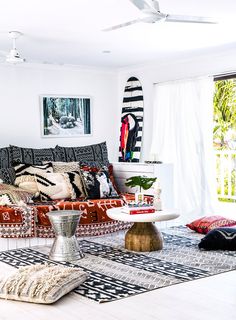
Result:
{"points": [[32, 220]]}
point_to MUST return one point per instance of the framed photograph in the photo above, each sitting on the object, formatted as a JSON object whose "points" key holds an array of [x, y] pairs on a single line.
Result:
{"points": [[65, 116]]}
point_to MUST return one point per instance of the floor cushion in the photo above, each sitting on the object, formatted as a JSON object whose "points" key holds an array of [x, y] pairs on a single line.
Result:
{"points": [[219, 239], [208, 223], [41, 283]]}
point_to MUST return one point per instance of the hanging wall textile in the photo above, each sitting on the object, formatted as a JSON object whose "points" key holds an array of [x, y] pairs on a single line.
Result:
{"points": [[131, 122]]}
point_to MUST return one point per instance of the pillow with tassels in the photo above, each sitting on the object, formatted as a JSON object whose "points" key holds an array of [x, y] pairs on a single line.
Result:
{"points": [[41, 283]]}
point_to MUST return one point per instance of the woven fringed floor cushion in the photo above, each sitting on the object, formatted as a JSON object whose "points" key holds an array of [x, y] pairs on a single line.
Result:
{"points": [[41, 283]]}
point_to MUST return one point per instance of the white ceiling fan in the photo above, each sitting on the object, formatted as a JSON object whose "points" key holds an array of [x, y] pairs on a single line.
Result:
{"points": [[153, 14], [13, 56]]}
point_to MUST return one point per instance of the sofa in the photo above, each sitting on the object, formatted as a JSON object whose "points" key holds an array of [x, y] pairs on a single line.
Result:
{"points": [[23, 211]]}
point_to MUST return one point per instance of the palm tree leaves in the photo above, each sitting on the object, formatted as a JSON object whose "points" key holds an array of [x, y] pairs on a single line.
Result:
{"points": [[224, 110]]}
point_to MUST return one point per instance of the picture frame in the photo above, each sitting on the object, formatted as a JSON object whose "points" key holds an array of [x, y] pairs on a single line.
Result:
{"points": [[65, 116]]}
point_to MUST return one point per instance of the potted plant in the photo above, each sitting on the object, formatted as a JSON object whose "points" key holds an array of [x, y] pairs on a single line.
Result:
{"points": [[144, 183]]}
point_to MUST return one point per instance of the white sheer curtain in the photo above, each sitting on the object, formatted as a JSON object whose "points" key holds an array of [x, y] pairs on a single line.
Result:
{"points": [[182, 135]]}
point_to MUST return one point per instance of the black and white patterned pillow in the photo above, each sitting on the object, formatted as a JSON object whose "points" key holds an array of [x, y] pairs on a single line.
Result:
{"points": [[33, 156], [52, 186], [223, 238], [98, 184], [5, 157], [26, 173], [95, 152], [25, 169]]}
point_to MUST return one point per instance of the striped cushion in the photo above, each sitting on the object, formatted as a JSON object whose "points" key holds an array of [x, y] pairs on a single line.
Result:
{"points": [[60, 185], [52, 186], [25, 175]]}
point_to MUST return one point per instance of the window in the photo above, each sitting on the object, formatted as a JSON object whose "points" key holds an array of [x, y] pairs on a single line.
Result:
{"points": [[224, 136]]}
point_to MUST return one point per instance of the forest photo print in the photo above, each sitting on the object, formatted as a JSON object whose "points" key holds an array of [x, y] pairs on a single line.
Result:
{"points": [[65, 116]]}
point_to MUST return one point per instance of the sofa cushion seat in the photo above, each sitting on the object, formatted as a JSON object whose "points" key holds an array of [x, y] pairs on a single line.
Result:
{"points": [[32, 220], [94, 220], [17, 222]]}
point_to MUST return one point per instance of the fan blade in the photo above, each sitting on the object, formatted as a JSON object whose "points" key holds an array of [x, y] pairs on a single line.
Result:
{"points": [[146, 7], [189, 19], [123, 25]]}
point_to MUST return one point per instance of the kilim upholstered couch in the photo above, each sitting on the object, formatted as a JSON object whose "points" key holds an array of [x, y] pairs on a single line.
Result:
{"points": [[30, 219]]}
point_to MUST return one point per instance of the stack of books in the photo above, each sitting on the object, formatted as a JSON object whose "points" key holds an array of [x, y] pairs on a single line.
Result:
{"points": [[138, 209]]}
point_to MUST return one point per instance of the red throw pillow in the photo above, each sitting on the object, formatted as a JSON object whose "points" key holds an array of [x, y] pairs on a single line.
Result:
{"points": [[206, 224]]}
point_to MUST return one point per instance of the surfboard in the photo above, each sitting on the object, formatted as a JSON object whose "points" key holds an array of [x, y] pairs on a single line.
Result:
{"points": [[131, 128]]}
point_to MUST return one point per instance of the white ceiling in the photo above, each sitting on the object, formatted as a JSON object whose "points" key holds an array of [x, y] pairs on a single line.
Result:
{"points": [[70, 31]]}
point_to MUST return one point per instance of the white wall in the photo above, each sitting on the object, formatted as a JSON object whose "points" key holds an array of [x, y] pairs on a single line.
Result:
{"points": [[217, 62], [20, 87]]}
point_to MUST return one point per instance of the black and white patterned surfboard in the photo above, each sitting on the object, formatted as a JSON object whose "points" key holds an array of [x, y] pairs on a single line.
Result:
{"points": [[131, 122]]}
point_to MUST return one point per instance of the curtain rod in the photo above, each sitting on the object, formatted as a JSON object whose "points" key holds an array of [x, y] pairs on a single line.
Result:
{"points": [[224, 76], [180, 79], [221, 76]]}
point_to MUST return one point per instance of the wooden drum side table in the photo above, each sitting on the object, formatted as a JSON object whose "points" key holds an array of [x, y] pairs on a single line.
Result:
{"points": [[65, 246], [143, 235]]}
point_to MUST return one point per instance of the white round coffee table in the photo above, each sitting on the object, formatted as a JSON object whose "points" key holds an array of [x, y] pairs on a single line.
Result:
{"points": [[143, 235]]}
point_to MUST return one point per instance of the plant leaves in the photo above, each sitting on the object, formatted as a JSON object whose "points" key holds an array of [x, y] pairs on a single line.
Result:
{"points": [[143, 182]]}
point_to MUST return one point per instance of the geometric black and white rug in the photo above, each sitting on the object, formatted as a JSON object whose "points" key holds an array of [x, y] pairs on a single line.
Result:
{"points": [[116, 273]]}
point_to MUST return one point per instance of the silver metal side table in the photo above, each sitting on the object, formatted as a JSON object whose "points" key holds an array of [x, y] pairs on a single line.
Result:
{"points": [[65, 246]]}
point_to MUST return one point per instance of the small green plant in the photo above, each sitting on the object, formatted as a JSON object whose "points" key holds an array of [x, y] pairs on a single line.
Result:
{"points": [[142, 182]]}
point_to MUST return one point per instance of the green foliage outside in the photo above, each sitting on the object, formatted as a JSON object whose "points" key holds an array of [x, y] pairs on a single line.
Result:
{"points": [[142, 182], [224, 132]]}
